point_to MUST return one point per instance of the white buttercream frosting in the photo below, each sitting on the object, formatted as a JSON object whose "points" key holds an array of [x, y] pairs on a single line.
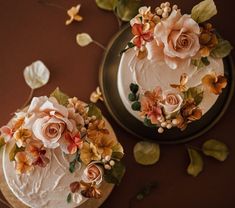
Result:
{"points": [[152, 71]]}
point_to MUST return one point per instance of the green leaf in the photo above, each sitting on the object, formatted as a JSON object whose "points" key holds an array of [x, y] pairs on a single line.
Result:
{"points": [[106, 4], [198, 63], [222, 49], [129, 45], [146, 153], [69, 198], [14, 151], [61, 97], [127, 9], [147, 122], [216, 149], [136, 106], [118, 151], [134, 88], [116, 174], [132, 97], [196, 93], [196, 162], [205, 61], [72, 166], [94, 111], [204, 11], [2, 142]]}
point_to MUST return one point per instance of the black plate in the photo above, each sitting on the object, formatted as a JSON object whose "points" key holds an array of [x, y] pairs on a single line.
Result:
{"points": [[108, 83]]}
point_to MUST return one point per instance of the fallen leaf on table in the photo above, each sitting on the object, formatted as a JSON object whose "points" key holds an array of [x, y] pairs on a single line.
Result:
{"points": [[83, 39], [215, 149], [146, 153], [36, 75], [196, 162]]}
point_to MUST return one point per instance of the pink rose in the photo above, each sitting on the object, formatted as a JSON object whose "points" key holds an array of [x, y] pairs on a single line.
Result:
{"points": [[48, 120], [171, 102], [178, 37], [92, 173]]}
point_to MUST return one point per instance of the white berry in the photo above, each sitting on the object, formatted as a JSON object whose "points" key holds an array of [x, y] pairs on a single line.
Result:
{"points": [[159, 12], [165, 15], [163, 124], [162, 5], [167, 4], [160, 130], [107, 158], [112, 163], [175, 7], [169, 126], [107, 167], [175, 121]]}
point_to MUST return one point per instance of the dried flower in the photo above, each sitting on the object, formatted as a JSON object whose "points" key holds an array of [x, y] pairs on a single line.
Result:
{"points": [[96, 130], [23, 163], [89, 153], [208, 39], [75, 187], [6, 132], [90, 191], [21, 136], [214, 83], [183, 81], [96, 95], [104, 145], [73, 14]]}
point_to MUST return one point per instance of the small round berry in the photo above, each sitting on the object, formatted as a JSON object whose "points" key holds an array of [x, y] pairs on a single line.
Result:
{"points": [[83, 129], [175, 121], [163, 124], [162, 5], [167, 4], [159, 12], [165, 15], [87, 121], [112, 163], [160, 130], [169, 126], [93, 117], [107, 167], [107, 158], [167, 9], [103, 161], [157, 8]]}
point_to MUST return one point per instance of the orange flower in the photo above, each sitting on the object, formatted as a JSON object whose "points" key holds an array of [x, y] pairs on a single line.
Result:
{"points": [[104, 145], [183, 81], [23, 163], [21, 136], [75, 142], [73, 14], [37, 153], [96, 130], [214, 83], [89, 153]]}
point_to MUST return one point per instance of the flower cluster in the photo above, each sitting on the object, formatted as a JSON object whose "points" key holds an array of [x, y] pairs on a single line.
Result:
{"points": [[67, 123], [176, 38], [175, 107]]}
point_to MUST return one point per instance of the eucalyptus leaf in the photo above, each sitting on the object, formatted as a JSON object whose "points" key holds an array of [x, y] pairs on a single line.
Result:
{"points": [[204, 11], [216, 149], [127, 9], [36, 75], [94, 111], [106, 4], [222, 49], [196, 93], [116, 174], [196, 162], [83, 39], [61, 97], [69, 198], [146, 153], [118, 151]]}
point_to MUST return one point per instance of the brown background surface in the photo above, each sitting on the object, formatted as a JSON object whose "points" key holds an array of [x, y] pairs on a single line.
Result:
{"points": [[30, 31]]}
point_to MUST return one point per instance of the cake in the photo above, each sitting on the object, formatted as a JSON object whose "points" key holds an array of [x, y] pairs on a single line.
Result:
{"points": [[171, 72], [58, 152]]}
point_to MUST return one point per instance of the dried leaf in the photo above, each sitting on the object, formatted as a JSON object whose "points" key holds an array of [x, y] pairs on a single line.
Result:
{"points": [[118, 151], [222, 49], [106, 4], [127, 9], [204, 11], [196, 93], [146, 153], [83, 39], [196, 162], [36, 75], [116, 174], [216, 149], [13, 152], [2, 142], [61, 97]]}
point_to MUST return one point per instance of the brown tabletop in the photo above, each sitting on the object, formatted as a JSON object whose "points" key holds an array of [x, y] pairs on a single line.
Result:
{"points": [[30, 31]]}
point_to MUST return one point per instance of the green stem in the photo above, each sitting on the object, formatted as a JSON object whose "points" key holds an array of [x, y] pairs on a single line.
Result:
{"points": [[51, 4], [99, 45], [28, 99], [118, 20]]}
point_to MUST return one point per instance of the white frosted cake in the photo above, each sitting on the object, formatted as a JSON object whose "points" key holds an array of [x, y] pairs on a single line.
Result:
{"points": [[58, 152], [171, 73]]}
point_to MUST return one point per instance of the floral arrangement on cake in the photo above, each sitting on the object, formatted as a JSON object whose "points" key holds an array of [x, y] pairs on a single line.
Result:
{"points": [[77, 128], [178, 40]]}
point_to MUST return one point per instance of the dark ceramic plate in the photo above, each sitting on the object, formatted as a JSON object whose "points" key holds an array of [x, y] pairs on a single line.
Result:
{"points": [[108, 83]]}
